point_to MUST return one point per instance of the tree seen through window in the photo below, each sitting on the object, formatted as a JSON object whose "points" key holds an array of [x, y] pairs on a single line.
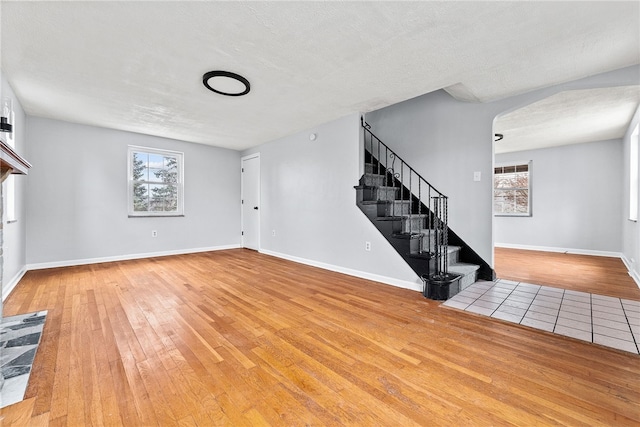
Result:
{"points": [[155, 182]]}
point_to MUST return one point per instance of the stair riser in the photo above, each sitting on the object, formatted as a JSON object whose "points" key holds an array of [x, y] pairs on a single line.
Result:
{"points": [[378, 170], [384, 194], [412, 225], [374, 180], [374, 194], [454, 256], [428, 242], [468, 280], [386, 209], [395, 208]]}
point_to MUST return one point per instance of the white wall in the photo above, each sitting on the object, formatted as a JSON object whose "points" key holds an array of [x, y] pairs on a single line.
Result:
{"points": [[576, 199], [446, 140], [77, 197], [307, 197], [14, 238], [630, 229]]}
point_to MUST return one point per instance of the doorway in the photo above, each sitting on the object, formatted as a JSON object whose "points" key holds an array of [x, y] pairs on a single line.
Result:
{"points": [[250, 208]]}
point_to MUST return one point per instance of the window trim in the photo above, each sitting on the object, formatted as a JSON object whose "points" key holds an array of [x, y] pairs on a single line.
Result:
{"points": [[154, 214], [634, 174], [9, 200], [529, 164]]}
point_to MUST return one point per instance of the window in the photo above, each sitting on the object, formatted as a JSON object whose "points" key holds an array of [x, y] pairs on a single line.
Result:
{"points": [[633, 175], [10, 182], [155, 182], [512, 190]]}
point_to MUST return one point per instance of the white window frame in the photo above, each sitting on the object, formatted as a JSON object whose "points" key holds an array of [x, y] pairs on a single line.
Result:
{"points": [[10, 183], [634, 178], [529, 189], [180, 184]]}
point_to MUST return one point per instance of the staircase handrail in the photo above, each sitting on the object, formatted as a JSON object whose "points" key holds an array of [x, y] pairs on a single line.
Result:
{"points": [[437, 210], [367, 128]]}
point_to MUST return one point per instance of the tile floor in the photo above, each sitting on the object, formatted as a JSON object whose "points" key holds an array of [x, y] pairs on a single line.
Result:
{"points": [[19, 339], [608, 321]]}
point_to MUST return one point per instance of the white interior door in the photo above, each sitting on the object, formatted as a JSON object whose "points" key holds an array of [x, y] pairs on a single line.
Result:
{"points": [[251, 202]]}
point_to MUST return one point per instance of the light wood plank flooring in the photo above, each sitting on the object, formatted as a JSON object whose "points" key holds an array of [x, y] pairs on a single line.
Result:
{"points": [[593, 274], [239, 338]]}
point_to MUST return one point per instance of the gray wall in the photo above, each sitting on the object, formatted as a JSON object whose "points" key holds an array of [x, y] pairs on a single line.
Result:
{"points": [[15, 232], [307, 197], [630, 229], [447, 140], [576, 198], [77, 196]]}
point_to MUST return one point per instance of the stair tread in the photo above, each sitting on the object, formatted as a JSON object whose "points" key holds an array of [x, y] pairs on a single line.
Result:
{"points": [[405, 236], [375, 202], [420, 255], [385, 201], [389, 218], [463, 268]]}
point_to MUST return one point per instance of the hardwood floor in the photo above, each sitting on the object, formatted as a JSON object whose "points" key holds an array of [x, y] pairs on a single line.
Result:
{"points": [[239, 338], [593, 274]]}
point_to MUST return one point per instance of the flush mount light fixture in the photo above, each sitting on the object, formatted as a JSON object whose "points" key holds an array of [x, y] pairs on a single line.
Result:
{"points": [[226, 83]]}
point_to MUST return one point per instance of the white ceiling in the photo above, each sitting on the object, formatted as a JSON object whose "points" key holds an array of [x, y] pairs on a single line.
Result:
{"points": [[569, 117], [138, 66]]}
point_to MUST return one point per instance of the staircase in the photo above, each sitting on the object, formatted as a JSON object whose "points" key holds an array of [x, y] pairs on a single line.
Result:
{"points": [[413, 217]]}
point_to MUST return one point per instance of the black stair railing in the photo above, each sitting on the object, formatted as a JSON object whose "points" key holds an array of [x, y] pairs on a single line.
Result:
{"points": [[427, 218]]}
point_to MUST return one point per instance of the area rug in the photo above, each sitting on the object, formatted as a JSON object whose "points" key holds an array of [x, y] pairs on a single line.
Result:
{"points": [[19, 339]]}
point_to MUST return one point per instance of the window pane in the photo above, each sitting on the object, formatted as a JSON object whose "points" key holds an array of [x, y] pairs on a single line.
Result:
{"points": [[155, 175], [140, 172], [140, 197], [156, 161], [170, 162], [522, 201], [171, 205], [504, 201]]}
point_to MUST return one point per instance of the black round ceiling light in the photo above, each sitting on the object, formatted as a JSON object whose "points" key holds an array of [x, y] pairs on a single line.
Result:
{"points": [[226, 83]]}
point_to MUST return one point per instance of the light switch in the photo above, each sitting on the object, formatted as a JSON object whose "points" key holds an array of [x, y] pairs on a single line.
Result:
{"points": [[476, 176]]}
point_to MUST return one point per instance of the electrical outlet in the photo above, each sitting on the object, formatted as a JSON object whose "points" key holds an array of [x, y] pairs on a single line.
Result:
{"points": [[477, 176], [367, 246], [273, 233], [154, 233]]}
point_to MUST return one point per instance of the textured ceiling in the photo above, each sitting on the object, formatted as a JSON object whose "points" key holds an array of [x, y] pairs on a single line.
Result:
{"points": [[138, 66], [573, 116]]}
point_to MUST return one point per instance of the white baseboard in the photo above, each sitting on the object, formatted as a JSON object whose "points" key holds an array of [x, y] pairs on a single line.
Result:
{"points": [[8, 287], [85, 261], [634, 275], [405, 284], [559, 250]]}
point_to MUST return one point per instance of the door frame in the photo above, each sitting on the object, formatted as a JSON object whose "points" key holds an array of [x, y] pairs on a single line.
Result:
{"points": [[242, 159]]}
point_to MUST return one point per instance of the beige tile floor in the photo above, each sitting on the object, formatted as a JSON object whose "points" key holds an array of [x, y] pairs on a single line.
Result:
{"points": [[608, 321]]}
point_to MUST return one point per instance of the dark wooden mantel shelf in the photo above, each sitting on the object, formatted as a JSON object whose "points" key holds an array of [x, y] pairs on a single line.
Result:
{"points": [[11, 162]]}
